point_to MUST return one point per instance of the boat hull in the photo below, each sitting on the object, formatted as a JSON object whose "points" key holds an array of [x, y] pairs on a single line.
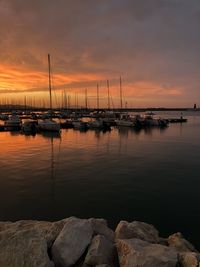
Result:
{"points": [[49, 126], [124, 123]]}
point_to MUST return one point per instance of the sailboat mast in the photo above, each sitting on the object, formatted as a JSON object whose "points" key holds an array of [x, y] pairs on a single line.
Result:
{"points": [[108, 94], [86, 100], [25, 104], [49, 64], [120, 82], [97, 96]]}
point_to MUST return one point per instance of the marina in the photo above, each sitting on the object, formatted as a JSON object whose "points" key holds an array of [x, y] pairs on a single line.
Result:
{"points": [[42, 121]]}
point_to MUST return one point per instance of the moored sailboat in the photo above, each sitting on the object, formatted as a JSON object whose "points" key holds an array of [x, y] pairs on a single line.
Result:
{"points": [[13, 122], [125, 120], [49, 124]]}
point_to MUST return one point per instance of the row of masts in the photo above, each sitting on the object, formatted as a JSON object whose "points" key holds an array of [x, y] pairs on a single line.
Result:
{"points": [[86, 96], [64, 100], [67, 100]]}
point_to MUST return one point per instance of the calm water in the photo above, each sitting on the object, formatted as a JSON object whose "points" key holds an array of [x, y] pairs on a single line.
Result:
{"points": [[152, 176]]}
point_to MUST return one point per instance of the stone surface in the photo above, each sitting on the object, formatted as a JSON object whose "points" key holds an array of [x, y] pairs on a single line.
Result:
{"points": [[24, 248], [49, 230], [180, 243], [138, 253], [90, 243], [72, 242], [189, 259], [100, 227], [140, 230], [163, 241], [101, 251]]}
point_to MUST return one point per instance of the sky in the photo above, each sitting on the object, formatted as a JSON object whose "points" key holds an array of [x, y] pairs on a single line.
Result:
{"points": [[152, 44]]}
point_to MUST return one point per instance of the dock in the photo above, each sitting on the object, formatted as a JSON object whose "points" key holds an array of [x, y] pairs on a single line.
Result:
{"points": [[176, 120]]}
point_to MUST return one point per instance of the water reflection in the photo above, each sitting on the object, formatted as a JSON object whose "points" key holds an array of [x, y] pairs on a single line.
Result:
{"points": [[126, 131], [142, 174], [50, 135], [14, 133], [54, 161], [29, 134]]}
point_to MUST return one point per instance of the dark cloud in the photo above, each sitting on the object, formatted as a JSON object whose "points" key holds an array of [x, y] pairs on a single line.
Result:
{"points": [[148, 40]]}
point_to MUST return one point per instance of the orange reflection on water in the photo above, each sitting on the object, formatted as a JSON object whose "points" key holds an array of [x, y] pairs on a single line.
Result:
{"points": [[16, 146]]}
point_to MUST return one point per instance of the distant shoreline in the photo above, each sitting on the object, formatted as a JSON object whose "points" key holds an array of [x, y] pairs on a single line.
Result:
{"points": [[4, 108]]}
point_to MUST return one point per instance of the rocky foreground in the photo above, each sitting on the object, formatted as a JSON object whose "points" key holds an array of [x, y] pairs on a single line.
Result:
{"points": [[80, 242]]}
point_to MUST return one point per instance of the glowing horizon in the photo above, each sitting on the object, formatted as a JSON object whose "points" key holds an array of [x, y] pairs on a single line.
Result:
{"points": [[64, 88]]}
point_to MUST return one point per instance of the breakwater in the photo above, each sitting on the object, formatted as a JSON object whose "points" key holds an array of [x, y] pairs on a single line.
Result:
{"points": [[90, 242]]}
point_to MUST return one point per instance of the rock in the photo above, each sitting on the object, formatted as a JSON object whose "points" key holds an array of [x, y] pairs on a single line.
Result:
{"points": [[4, 225], [180, 243], [101, 251], [49, 230], [189, 259], [90, 243], [24, 248], [72, 242], [163, 241], [140, 230], [100, 228], [138, 253]]}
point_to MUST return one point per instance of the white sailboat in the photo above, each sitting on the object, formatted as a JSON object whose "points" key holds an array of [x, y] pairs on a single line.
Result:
{"points": [[49, 124], [13, 121], [125, 120]]}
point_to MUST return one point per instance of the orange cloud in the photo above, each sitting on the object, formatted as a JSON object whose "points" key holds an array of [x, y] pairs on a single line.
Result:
{"points": [[16, 82], [20, 79]]}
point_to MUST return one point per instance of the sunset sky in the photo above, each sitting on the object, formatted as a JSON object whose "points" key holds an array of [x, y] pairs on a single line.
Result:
{"points": [[152, 44]]}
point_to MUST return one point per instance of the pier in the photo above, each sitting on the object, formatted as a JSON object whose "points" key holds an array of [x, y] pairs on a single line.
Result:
{"points": [[177, 120]]}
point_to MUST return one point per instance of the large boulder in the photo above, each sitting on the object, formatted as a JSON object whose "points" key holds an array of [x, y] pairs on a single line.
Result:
{"points": [[49, 230], [139, 230], [100, 227], [189, 259], [138, 253], [23, 248], [101, 251], [180, 243], [72, 242]]}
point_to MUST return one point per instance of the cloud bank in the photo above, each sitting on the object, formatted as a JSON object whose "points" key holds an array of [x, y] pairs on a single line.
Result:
{"points": [[152, 44]]}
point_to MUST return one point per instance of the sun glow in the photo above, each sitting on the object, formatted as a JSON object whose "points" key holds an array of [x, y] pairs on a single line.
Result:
{"points": [[19, 82]]}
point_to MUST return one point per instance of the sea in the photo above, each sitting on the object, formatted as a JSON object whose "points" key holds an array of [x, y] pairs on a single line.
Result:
{"points": [[150, 175]]}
